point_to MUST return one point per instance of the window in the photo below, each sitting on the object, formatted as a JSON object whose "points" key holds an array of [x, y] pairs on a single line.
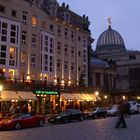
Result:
{"points": [[22, 57], [66, 33], [14, 13], [58, 47], [3, 54], [59, 30], [66, 49], [72, 67], [79, 38], [44, 24], [23, 38], [13, 34], [51, 27], [79, 53], [24, 17], [34, 21], [4, 32], [33, 40], [51, 63], [58, 64], [2, 9], [65, 65], [72, 36], [72, 51], [12, 55], [51, 45], [33, 56], [132, 57]]}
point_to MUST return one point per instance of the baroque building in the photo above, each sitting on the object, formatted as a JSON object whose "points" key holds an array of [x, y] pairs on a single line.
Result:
{"points": [[111, 48]]}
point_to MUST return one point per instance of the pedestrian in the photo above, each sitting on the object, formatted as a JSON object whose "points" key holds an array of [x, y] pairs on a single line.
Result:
{"points": [[121, 121], [13, 109], [24, 109], [127, 109]]}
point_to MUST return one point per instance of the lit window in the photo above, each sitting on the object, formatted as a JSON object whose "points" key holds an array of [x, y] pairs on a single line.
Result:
{"points": [[34, 21]]}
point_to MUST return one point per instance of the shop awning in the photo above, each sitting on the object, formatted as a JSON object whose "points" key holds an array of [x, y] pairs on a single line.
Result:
{"points": [[87, 97], [68, 96], [9, 95], [93, 96], [25, 95], [78, 96]]}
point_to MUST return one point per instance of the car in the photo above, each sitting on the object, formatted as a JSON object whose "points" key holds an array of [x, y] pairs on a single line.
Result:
{"points": [[67, 116], [98, 112], [113, 111], [19, 121], [134, 107]]}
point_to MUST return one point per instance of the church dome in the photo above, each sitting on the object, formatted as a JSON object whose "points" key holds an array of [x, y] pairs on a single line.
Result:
{"points": [[110, 41]]}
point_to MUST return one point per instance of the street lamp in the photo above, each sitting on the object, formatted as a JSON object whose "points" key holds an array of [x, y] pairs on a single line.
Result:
{"points": [[96, 93]]}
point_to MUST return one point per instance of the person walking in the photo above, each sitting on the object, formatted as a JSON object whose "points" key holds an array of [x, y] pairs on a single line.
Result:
{"points": [[121, 121]]}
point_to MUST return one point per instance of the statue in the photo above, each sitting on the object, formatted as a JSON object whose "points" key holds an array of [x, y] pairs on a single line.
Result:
{"points": [[109, 20]]}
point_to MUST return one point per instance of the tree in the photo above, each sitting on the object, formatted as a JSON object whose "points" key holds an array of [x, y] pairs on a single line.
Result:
{"points": [[82, 80]]}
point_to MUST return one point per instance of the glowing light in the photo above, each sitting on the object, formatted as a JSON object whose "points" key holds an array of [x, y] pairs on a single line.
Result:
{"points": [[96, 93], [1, 88], [105, 97], [124, 97]]}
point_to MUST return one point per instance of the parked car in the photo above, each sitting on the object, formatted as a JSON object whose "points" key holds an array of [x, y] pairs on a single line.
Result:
{"points": [[98, 112], [19, 121], [134, 107], [67, 116], [113, 111]]}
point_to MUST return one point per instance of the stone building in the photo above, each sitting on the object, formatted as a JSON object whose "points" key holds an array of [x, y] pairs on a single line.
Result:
{"points": [[111, 48]]}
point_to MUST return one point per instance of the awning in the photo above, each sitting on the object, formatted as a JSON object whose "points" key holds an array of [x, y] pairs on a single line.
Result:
{"points": [[9, 95], [68, 96], [87, 97], [25, 95], [93, 96], [78, 96]]}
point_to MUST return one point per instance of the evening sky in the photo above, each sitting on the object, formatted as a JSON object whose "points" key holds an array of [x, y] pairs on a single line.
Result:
{"points": [[125, 18]]}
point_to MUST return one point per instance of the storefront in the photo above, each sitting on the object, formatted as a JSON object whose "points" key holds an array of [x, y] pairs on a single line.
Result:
{"points": [[19, 98], [29, 99], [82, 101], [47, 101], [7, 97]]}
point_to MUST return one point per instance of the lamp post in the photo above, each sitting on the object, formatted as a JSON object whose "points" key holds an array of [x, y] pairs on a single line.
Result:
{"points": [[1, 88]]}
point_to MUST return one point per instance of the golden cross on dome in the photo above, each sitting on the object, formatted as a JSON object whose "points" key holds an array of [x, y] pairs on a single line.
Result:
{"points": [[109, 20]]}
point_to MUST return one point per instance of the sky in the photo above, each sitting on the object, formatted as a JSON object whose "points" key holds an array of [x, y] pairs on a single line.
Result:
{"points": [[125, 18]]}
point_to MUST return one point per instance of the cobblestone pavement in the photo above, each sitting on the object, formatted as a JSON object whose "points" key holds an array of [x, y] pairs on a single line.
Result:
{"points": [[99, 129]]}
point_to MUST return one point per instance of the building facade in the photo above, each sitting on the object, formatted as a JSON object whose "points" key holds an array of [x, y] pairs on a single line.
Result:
{"points": [[43, 42], [126, 64]]}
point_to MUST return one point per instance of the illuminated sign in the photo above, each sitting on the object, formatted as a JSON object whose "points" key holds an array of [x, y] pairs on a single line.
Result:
{"points": [[46, 92]]}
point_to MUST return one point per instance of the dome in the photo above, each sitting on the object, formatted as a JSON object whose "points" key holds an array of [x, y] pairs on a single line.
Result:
{"points": [[110, 41], [98, 63]]}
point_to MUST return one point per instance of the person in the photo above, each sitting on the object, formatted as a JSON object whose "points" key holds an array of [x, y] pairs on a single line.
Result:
{"points": [[127, 109], [13, 109], [121, 121], [17, 110], [24, 109]]}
